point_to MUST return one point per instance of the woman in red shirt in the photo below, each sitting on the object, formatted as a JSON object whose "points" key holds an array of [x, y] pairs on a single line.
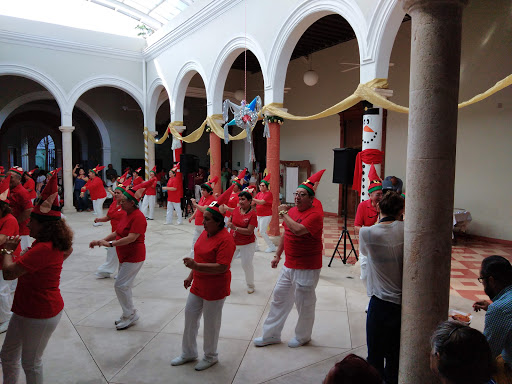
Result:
{"points": [[148, 202], [30, 185], [96, 190], [128, 238], [264, 201], [210, 278], [174, 190], [206, 199], [242, 224], [37, 306]]}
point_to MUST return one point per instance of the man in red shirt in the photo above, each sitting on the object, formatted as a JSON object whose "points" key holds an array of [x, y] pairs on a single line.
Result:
{"points": [[30, 184], [149, 200], [21, 205], [368, 213], [302, 245], [174, 190], [96, 190]]}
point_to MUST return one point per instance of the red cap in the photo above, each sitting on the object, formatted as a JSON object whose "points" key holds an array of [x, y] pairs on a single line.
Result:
{"points": [[209, 184], [4, 189], [214, 208], [122, 179], [266, 180], [153, 170], [123, 186], [17, 170], [47, 206], [375, 182], [97, 169], [176, 167], [250, 189], [135, 194], [32, 171], [240, 178], [138, 169], [309, 184]]}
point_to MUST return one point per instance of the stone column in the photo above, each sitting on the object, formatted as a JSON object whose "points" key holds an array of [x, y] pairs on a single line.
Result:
{"points": [[273, 161], [151, 151], [67, 164], [215, 161], [434, 90]]}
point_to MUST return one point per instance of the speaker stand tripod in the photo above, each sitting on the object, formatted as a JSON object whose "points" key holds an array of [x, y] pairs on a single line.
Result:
{"points": [[344, 234]]}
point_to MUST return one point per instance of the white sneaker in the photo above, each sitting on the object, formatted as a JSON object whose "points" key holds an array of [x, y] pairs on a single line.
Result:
{"points": [[271, 249], [4, 326], [259, 342], [167, 223], [179, 223], [102, 275], [127, 321], [97, 224], [250, 290], [294, 343], [204, 364], [180, 360]]}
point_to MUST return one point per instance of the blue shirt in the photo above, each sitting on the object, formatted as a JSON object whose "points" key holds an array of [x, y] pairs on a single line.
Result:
{"points": [[498, 325]]}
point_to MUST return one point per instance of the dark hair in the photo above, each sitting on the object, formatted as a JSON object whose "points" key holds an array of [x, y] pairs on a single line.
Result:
{"points": [[245, 194], [497, 267], [464, 354], [57, 232], [391, 204], [218, 219], [5, 209], [353, 370], [207, 190]]}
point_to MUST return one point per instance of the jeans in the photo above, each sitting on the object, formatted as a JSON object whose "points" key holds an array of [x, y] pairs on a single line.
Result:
{"points": [[383, 337], [81, 202]]}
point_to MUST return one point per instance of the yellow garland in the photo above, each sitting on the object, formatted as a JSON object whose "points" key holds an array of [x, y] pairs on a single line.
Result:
{"points": [[497, 87]]}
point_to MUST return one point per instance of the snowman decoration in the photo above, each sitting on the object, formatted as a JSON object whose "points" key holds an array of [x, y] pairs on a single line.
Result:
{"points": [[372, 139]]}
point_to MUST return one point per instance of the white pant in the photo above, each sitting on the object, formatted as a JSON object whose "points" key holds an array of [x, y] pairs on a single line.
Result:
{"points": [[263, 222], [363, 262], [247, 254], [97, 205], [199, 229], [148, 202], [197, 192], [111, 265], [212, 312], [26, 338], [293, 285], [5, 299], [123, 286], [173, 207]]}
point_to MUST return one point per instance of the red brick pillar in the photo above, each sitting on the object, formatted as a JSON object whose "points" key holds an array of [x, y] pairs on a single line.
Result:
{"points": [[273, 158], [215, 161]]}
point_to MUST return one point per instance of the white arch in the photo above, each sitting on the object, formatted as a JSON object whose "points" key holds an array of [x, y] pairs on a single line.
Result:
{"points": [[22, 100], [105, 81], [180, 88], [295, 25], [154, 97], [46, 81], [224, 62]]}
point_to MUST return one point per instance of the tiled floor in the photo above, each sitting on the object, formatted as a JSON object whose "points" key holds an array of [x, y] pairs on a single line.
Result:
{"points": [[86, 348]]}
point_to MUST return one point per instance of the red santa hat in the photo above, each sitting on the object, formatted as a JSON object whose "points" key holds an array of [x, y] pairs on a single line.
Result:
{"points": [[138, 170], [46, 206], [135, 194], [375, 183], [309, 184], [153, 170], [266, 180], [4, 189], [251, 189], [239, 180], [123, 186], [209, 184], [97, 169], [17, 170], [176, 167], [122, 179], [32, 171], [214, 208]]}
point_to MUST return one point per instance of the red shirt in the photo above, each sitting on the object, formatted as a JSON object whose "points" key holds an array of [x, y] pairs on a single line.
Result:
{"points": [[151, 190], [304, 252], [96, 188], [37, 294], [317, 204], [134, 252], [232, 202], [216, 249], [31, 184], [137, 181], [204, 201], [264, 209], [366, 214], [19, 201], [243, 221], [9, 227], [115, 213], [174, 196]]}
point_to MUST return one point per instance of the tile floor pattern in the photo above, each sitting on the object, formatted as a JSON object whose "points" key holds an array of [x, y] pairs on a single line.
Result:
{"points": [[87, 349]]}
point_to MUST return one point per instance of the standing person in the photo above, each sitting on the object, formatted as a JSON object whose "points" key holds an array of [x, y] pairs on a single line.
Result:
{"points": [[174, 190], [128, 239], [80, 180], [96, 190], [302, 245], [21, 205], [37, 306], [2, 173], [30, 185], [8, 228], [200, 207], [41, 178], [367, 215], [111, 173], [210, 278], [383, 243], [496, 277], [149, 201], [136, 179], [242, 223], [199, 179], [114, 215], [264, 204], [224, 175], [238, 183]]}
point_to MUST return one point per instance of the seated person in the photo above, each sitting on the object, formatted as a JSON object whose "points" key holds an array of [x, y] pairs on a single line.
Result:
{"points": [[393, 183], [352, 370]]}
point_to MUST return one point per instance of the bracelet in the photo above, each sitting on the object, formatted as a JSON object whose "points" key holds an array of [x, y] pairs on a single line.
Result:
{"points": [[236, 229], [281, 213], [6, 251]]}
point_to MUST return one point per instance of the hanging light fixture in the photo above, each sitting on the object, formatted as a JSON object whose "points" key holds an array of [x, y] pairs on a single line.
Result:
{"points": [[310, 76], [239, 94]]}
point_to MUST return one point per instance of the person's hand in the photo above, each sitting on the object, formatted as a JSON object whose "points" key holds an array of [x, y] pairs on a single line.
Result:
{"points": [[82, 194], [103, 243], [93, 244], [283, 207], [189, 262], [187, 282], [190, 219], [96, 220], [11, 243], [275, 261], [230, 225], [478, 305]]}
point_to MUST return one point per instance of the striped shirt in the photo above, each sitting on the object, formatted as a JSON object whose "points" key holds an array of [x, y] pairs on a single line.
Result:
{"points": [[498, 325]]}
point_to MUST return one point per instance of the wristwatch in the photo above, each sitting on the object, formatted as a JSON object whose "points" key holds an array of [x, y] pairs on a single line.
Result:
{"points": [[111, 243], [6, 251]]}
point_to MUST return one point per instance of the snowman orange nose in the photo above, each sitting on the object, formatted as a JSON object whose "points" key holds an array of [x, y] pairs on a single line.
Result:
{"points": [[367, 129]]}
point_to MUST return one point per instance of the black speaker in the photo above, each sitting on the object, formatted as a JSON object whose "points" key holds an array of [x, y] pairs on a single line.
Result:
{"points": [[344, 164], [189, 163]]}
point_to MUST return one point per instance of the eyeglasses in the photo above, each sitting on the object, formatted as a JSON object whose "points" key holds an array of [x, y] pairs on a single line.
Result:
{"points": [[301, 195], [481, 279]]}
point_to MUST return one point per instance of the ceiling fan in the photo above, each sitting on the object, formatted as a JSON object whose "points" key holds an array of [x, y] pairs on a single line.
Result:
{"points": [[356, 66], [126, 109]]}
